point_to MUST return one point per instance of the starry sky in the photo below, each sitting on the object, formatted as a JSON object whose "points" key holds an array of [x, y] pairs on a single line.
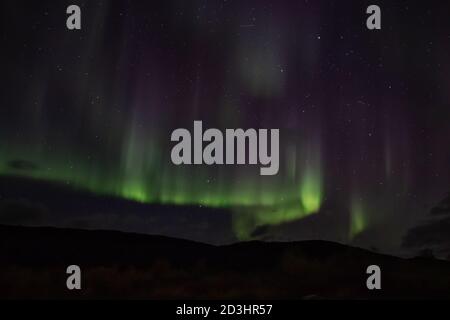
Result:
{"points": [[363, 115]]}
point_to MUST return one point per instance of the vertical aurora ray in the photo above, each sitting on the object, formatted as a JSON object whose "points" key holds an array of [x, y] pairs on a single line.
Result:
{"points": [[311, 183], [358, 217], [311, 190]]}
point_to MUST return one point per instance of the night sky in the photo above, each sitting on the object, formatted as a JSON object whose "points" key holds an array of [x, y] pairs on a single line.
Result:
{"points": [[363, 115]]}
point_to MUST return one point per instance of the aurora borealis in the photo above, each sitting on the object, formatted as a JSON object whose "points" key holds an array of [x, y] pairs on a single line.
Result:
{"points": [[363, 115]]}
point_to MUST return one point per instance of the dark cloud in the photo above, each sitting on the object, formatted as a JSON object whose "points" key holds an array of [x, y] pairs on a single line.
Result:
{"points": [[21, 212], [443, 207], [434, 233], [260, 231], [23, 165]]}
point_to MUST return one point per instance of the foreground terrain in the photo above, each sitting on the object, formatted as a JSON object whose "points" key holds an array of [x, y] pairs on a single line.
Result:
{"points": [[33, 264]]}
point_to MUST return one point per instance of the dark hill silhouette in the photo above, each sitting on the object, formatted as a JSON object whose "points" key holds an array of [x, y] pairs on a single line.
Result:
{"points": [[123, 265]]}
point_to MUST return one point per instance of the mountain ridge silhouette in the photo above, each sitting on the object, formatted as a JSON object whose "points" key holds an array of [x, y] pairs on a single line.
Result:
{"points": [[128, 265]]}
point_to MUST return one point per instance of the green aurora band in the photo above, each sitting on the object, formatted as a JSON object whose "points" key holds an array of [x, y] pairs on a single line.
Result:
{"points": [[358, 218], [142, 177]]}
